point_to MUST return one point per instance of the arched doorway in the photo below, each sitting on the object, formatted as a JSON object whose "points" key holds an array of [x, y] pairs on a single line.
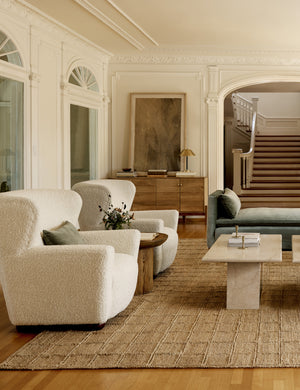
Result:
{"points": [[278, 113], [215, 118]]}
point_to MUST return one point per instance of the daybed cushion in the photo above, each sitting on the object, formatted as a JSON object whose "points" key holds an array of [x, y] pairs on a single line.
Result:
{"points": [[263, 216], [230, 203], [66, 234]]}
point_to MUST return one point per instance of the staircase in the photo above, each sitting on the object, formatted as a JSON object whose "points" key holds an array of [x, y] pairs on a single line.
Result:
{"points": [[276, 172]]}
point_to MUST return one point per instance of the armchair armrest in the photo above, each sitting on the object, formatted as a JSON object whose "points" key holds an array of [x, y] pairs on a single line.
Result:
{"points": [[170, 217], [148, 225], [63, 283], [124, 241]]}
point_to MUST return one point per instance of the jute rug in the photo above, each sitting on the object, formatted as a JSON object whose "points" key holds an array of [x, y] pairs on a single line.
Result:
{"points": [[184, 323]]}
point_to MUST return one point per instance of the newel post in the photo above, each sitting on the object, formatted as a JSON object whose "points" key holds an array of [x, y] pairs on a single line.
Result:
{"points": [[254, 104], [237, 170]]}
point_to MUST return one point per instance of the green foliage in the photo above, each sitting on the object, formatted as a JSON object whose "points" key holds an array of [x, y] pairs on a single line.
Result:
{"points": [[114, 217]]}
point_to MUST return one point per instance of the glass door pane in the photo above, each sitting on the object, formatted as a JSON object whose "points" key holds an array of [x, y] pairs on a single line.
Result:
{"points": [[11, 135], [83, 143]]}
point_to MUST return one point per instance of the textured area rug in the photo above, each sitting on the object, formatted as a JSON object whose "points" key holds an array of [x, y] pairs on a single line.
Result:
{"points": [[184, 323]]}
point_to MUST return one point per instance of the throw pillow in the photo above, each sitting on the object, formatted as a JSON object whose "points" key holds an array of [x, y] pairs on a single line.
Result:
{"points": [[230, 203], [65, 234]]}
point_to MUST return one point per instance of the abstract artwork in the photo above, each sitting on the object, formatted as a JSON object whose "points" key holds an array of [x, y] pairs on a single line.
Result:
{"points": [[157, 130]]}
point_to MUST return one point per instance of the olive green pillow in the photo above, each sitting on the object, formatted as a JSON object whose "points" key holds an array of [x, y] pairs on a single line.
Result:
{"points": [[65, 234], [230, 204]]}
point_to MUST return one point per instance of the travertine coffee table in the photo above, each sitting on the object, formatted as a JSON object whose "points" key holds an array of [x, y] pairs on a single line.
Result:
{"points": [[296, 249], [243, 268]]}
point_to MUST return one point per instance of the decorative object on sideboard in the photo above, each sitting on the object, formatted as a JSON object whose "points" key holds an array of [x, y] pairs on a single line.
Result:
{"points": [[186, 153], [126, 172], [157, 172]]}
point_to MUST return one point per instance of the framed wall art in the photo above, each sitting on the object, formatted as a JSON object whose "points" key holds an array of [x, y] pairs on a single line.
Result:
{"points": [[158, 122]]}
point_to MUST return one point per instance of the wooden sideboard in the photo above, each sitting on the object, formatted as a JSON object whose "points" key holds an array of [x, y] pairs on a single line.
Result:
{"points": [[188, 195]]}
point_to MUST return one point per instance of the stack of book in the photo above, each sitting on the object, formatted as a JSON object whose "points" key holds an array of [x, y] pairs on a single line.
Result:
{"points": [[251, 239], [148, 236], [126, 174], [157, 172]]}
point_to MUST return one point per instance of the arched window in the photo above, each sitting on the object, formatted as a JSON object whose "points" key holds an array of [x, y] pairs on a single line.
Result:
{"points": [[83, 127], [8, 50], [83, 77]]}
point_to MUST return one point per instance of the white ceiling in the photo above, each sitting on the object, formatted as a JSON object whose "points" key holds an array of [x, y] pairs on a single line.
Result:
{"points": [[138, 26]]}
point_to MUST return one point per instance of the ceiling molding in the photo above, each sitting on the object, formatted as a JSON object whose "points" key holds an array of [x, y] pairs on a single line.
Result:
{"points": [[30, 12], [132, 22], [111, 24]]}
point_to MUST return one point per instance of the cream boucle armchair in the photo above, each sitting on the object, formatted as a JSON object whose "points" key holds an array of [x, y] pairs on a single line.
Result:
{"points": [[97, 192], [61, 284]]}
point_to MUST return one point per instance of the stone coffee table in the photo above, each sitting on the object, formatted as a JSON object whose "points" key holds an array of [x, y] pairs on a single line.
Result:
{"points": [[296, 249], [243, 268]]}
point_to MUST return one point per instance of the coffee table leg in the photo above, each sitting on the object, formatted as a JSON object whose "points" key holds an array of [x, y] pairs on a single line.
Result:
{"points": [[243, 285], [145, 275]]}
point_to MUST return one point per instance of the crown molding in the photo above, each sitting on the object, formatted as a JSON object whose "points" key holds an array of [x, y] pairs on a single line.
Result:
{"points": [[181, 56], [118, 9], [38, 18], [114, 17], [110, 23]]}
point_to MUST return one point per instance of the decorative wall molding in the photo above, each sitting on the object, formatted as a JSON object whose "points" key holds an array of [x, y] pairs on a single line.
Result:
{"points": [[212, 100], [202, 58], [34, 77]]}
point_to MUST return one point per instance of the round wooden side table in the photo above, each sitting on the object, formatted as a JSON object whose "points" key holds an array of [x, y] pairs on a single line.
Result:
{"points": [[145, 263]]}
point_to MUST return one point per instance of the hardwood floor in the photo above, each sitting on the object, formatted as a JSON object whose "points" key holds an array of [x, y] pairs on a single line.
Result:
{"points": [[146, 379]]}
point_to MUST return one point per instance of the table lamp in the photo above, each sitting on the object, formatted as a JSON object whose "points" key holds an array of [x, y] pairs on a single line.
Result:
{"points": [[186, 153]]}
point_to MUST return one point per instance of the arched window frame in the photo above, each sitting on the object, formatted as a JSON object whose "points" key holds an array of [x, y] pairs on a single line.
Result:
{"points": [[9, 50], [19, 72], [83, 77], [78, 95]]}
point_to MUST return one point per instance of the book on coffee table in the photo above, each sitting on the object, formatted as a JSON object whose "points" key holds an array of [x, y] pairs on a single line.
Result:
{"points": [[148, 236], [251, 239]]}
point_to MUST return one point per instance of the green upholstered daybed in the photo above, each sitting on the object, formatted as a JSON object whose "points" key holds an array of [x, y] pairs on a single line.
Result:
{"points": [[264, 220]]}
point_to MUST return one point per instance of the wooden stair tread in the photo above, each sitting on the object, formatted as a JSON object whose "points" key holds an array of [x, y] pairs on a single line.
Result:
{"points": [[274, 160], [275, 172], [277, 167], [273, 154]]}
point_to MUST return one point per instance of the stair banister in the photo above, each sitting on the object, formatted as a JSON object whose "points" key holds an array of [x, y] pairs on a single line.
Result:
{"points": [[243, 162]]}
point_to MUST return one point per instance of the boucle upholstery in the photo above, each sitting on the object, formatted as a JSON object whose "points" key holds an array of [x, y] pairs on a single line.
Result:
{"points": [[97, 192], [61, 284]]}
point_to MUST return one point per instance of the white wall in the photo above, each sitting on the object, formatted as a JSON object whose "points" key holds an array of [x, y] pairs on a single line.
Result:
{"points": [[126, 80], [207, 80], [49, 54], [276, 105]]}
